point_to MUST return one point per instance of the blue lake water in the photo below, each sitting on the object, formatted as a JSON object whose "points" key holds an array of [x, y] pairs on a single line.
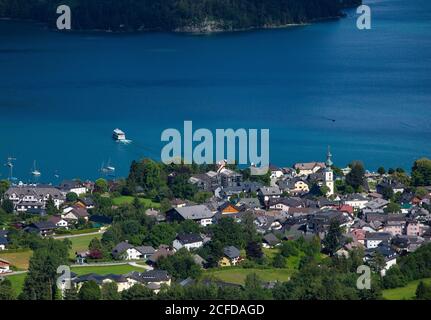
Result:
{"points": [[61, 95]]}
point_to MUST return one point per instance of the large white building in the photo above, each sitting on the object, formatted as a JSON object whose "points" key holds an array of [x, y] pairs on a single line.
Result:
{"points": [[33, 197]]}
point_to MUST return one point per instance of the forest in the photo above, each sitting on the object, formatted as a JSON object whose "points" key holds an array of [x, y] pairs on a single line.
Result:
{"points": [[177, 15]]}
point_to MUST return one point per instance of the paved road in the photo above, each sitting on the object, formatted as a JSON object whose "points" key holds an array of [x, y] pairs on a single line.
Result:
{"points": [[107, 264], [12, 273], [79, 235]]}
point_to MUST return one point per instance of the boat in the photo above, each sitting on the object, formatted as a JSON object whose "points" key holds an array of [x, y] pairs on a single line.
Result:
{"points": [[119, 135], [35, 172], [108, 168]]}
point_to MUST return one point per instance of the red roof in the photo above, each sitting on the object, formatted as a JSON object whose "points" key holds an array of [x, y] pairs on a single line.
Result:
{"points": [[346, 208], [4, 263]]}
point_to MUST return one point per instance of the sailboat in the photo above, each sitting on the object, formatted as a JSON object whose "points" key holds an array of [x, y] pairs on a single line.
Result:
{"points": [[108, 168], [35, 172]]}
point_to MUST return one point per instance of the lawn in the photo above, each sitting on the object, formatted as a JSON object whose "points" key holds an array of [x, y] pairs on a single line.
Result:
{"points": [[17, 259], [18, 280], [404, 293], [148, 203], [238, 275], [81, 243]]}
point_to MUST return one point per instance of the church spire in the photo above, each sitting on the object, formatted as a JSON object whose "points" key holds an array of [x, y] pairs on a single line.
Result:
{"points": [[329, 162]]}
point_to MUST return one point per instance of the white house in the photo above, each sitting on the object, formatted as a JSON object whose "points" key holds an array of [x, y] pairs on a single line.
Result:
{"points": [[356, 201], [25, 197], [188, 241], [73, 186], [374, 239], [126, 251], [4, 266]]}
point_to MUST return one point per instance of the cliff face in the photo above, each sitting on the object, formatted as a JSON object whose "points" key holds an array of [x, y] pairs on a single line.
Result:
{"points": [[177, 15]]}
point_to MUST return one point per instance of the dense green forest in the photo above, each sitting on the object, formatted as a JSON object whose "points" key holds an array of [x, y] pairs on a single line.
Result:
{"points": [[176, 15]]}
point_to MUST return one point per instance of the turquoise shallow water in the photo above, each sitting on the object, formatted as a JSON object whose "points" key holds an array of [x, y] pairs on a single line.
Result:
{"points": [[61, 95]]}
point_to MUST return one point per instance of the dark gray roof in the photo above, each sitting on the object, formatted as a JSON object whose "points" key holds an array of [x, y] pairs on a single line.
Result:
{"points": [[121, 247], [189, 238], [43, 225], [231, 252], [99, 278], [196, 212], [271, 239], [378, 236], [151, 276], [146, 249]]}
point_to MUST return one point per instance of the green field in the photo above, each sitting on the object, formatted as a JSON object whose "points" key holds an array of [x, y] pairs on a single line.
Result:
{"points": [[81, 243], [404, 293], [237, 275], [128, 200], [17, 259], [18, 280]]}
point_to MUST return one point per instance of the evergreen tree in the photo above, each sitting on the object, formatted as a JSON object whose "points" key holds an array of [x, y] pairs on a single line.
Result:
{"points": [[332, 240], [90, 291]]}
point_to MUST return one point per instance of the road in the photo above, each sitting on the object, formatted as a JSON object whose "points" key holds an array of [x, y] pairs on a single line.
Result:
{"points": [[79, 235]]}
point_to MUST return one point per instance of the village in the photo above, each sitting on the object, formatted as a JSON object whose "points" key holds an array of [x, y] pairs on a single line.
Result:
{"points": [[227, 228]]}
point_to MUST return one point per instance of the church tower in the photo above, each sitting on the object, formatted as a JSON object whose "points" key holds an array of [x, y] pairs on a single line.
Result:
{"points": [[329, 174]]}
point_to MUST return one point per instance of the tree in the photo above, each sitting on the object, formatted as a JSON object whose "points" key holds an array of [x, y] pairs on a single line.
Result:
{"points": [[71, 294], [254, 250], [50, 207], [332, 240], [40, 283], [387, 192], [421, 192], [7, 206], [137, 292], [381, 171], [6, 291], [163, 233], [110, 291], [423, 291], [392, 207], [253, 288], [4, 186], [377, 262], [421, 172], [101, 185], [289, 249], [180, 265], [90, 291], [279, 261], [356, 177], [71, 197]]}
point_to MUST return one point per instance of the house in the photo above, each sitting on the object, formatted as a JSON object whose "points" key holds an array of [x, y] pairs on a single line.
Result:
{"points": [[374, 239], [356, 200], [396, 186], [414, 228], [266, 193], [74, 213], [3, 239], [228, 208], [188, 241], [87, 203], [231, 256], [4, 266], [276, 172], [26, 197], [387, 252], [198, 213], [122, 281], [59, 222], [270, 240], [43, 228], [248, 203], [74, 186], [161, 252], [81, 256], [229, 178], [377, 204], [153, 279], [205, 181], [307, 168], [394, 227], [199, 260], [125, 251], [146, 251], [294, 186]]}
